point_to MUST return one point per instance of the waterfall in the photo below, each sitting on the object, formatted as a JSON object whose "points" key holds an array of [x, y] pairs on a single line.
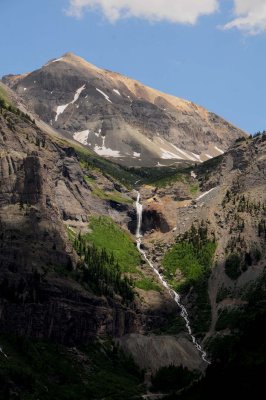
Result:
{"points": [[172, 293], [139, 216], [2, 351]]}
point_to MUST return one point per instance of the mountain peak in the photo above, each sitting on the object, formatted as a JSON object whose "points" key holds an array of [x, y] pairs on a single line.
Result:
{"points": [[70, 54], [75, 60], [121, 118]]}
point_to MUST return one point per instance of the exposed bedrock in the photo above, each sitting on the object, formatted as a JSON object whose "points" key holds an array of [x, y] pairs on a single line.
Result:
{"points": [[153, 352], [151, 220]]}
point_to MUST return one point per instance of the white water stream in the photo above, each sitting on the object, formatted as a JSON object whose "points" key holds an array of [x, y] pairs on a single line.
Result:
{"points": [[175, 295], [2, 351]]}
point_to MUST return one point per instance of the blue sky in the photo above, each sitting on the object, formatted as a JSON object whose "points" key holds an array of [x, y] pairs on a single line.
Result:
{"points": [[214, 55]]}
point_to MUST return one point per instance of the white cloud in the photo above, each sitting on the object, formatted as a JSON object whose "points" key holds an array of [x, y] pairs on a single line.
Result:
{"points": [[175, 11], [250, 16]]}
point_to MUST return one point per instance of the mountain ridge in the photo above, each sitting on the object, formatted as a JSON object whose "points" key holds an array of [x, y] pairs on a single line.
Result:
{"points": [[119, 117]]}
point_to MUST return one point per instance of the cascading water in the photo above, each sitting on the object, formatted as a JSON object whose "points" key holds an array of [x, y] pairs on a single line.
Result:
{"points": [[139, 216], [175, 295], [2, 351]]}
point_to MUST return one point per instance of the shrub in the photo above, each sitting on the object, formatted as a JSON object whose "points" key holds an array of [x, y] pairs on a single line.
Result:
{"points": [[233, 266]]}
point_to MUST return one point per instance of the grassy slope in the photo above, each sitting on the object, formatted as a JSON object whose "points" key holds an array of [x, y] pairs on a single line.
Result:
{"points": [[104, 195], [191, 263], [4, 95], [130, 176], [193, 256], [108, 235], [147, 284]]}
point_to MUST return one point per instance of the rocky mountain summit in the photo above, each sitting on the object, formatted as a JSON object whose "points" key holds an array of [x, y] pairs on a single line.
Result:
{"points": [[120, 118]]}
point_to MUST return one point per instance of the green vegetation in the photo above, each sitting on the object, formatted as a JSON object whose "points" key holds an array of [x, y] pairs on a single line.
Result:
{"points": [[106, 234], [6, 105], [243, 204], [262, 228], [90, 161], [110, 196], [208, 167], [237, 263], [174, 325], [259, 133], [239, 359], [191, 262], [107, 255], [222, 294], [46, 371], [166, 176], [194, 188], [242, 254], [233, 266], [172, 378], [228, 319], [248, 206], [4, 99], [193, 256], [241, 139], [101, 271], [131, 176], [147, 284]]}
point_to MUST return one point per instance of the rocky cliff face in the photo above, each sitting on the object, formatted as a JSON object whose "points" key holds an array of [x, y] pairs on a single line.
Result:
{"points": [[43, 195], [120, 118], [42, 191]]}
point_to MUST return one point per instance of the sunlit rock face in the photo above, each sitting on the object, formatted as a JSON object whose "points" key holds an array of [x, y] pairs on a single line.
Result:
{"points": [[120, 118]]}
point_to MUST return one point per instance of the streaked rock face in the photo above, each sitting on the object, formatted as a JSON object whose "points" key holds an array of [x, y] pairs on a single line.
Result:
{"points": [[120, 118]]}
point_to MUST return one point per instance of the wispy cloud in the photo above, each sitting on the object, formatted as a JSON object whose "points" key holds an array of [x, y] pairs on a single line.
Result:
{"points": [[175, 11], [250, 16]]}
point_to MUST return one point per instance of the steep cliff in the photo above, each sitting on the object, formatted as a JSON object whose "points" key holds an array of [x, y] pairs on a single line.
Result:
{"points": [[43, 191]]}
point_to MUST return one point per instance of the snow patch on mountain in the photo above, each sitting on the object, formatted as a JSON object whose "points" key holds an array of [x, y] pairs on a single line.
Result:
{"points": [[104, 95], [61, 109], [117, 92], [219, 150], [82, 137], [186, 155], [168, 155], [105, 151], [57, 59], [205, 194], [197, 157]]}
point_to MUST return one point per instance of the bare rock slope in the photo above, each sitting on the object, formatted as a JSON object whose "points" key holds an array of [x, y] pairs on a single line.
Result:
{"points": [[120, 118]]}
